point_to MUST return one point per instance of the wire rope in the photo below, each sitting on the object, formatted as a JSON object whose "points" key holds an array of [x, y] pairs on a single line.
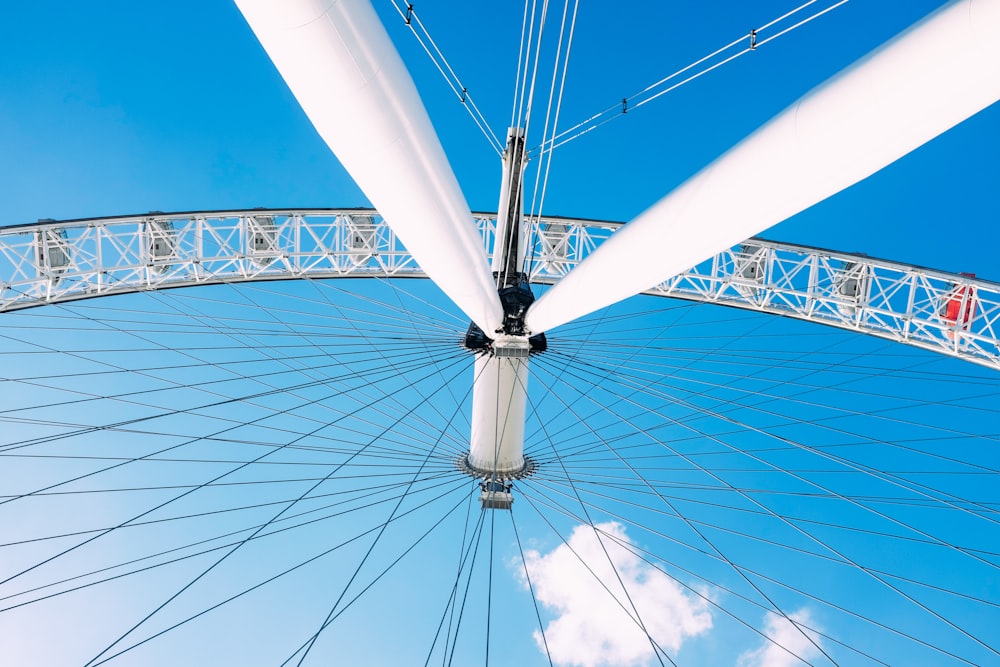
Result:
{"points": [[635, 374], [433, 52], [657, 89]]}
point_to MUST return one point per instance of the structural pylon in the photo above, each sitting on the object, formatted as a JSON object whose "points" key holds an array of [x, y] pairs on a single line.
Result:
{"points": [[500, 385]]}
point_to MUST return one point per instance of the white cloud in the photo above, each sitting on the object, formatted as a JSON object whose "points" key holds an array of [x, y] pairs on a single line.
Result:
{"points": [[590, 627], [784, 634]]}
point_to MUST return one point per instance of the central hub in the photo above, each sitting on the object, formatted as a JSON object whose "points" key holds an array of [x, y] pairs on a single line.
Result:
{"points": [[500, 384], [499, 401], [515, 299], [527, 469]]}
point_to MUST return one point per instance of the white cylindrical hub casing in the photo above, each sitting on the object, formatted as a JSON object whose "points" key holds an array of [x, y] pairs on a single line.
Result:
{"points": [[499, 400]]}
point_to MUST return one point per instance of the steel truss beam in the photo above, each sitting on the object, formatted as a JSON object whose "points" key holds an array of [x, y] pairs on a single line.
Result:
{"points": [[52, 262]]}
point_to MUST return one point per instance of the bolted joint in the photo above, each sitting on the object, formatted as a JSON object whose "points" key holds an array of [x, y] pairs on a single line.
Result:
{"points": [[515, 299]]}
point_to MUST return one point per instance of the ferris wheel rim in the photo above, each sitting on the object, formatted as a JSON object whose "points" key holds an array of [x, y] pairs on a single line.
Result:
{"points": [[953, 314]]}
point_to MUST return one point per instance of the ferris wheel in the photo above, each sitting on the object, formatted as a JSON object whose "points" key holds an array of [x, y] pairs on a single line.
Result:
{"points": [[310, 459]]}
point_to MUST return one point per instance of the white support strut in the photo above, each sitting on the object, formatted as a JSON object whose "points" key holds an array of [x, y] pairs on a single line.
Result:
{"points": [[343, 69], [917, 86]]}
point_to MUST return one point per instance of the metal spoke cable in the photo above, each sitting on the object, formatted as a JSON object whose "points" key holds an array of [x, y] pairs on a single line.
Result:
{"points": [[633, 614], [673, 514], [657, 650], [705, 412], [464, 549], [435, 312], [755, 537], [384, 454], [169, 367], [367, 491], [399, 293], [915, 639], [54, 321], [761, 363], [579, 452], [895, 479], [387, 569], [543, 499], [384, 312], [430, 47], [549, 435], [450, 605], [489, 587], [94, 661], [524, 58], [881, 580], [258, 306], [559, 71], [389, 397], [90, 397], [866, 470], [292, 569], [638, 373], [640, 453], [531, 590], [395, 343], [336, 362], [144, 513], [702, 536], [459, 443], [325, 334], [669, 363], [200, 543], [175, 498], [400, 446], [593, 325], [583, 476], [452, 640], [800, 23], [654, 560], [660, 88], [307, 646], [232, 373], [445, 464], [365, 374], [521, 54], [306, 372], [535, 58]]}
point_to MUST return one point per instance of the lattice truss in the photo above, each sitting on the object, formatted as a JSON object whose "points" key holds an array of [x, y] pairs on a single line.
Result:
{"points": [[52, 261]]}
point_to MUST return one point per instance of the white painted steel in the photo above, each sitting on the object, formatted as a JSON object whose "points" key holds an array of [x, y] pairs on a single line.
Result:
{"points": [[500, 385], [499, 402], [930, 78], [511, 162], [343, 69], [106, 256]]}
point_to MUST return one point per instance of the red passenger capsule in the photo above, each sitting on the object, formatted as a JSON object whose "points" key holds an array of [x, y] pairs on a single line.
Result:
{"points": [[959, 305]]}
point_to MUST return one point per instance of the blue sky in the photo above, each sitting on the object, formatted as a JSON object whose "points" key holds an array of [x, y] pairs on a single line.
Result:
{"points": [[112, 108]]}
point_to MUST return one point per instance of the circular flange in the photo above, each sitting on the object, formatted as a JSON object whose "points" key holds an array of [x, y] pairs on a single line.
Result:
{"points": [[526, 470]]}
